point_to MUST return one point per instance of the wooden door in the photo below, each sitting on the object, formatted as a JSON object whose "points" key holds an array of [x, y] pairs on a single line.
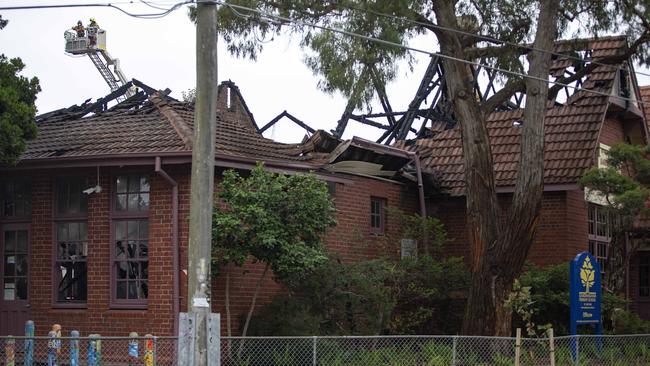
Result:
{"points": [[14, 269]]}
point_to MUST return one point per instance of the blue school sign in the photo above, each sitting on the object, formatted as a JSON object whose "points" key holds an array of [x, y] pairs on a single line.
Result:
{"points": [[586, 293]]}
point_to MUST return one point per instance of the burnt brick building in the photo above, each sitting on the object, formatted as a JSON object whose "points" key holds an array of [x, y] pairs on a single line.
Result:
{"points": [[94, 218]]}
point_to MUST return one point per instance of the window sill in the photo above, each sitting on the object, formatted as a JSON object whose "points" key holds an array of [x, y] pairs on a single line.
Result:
{"points": [[120, 306], [70, 306]]}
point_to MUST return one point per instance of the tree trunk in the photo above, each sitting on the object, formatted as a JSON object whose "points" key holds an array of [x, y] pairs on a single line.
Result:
{"points": [[255, 294], [498, 251]]}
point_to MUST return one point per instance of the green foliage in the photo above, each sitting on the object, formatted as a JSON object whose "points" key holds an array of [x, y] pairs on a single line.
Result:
{"points": [[353, 65], [624, 182], [626, 322], [429, 232], [277, 219], [336, 299], [430, 294], [549, 298], [415, 296], [17, 109]]}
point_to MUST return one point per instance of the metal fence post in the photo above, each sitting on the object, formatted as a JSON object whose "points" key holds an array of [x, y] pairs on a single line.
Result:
{"points": [[577, 350], [155, 351], [74, 348], [29, 343], [518, 347], [314, 359], [551, 345], [453, 350]]}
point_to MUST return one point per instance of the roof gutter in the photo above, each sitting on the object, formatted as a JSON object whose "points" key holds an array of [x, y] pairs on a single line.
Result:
{"points": [[175, 250]]}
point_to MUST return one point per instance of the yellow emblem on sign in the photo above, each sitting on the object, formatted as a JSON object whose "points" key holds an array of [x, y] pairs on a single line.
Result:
{"points": [[587, 274]]}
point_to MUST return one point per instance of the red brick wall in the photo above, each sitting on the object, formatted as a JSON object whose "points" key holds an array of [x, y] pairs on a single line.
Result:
{"points": [[612, 132], [351, 239], [98, 316], [561, 233]]}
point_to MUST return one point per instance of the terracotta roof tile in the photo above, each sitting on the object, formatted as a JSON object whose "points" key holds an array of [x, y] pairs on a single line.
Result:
{"points": [[159, 124]]}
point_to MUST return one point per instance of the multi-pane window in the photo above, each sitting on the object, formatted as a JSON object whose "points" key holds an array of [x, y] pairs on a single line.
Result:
{"points": [[15, 199], [70, 199], [130, 250], [644, 274], [132, 193], [15, 257], [377, 215], [131, 259], [71, 261], [71, 243], [599, 233]]}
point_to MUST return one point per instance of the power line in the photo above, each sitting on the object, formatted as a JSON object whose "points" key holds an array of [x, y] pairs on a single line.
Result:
{"points": [[105, 5], [414, 49]]}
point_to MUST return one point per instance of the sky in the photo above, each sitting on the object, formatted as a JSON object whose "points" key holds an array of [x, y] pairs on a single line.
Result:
{"points": [[161, 53]]}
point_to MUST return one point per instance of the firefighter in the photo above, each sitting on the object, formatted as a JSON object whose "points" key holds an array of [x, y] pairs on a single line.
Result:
{"points": [[79, 28], [93, 27]]}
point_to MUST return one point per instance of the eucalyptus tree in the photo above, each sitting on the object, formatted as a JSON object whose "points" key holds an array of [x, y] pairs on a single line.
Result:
{"points": [[516, 36]]}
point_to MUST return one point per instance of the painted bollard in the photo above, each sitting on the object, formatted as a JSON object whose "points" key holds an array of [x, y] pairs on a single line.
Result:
{"points": [[10, 352], [54, 345], [28, 359], [148, 350], [133, 348], [74, 348], [94, 350]]}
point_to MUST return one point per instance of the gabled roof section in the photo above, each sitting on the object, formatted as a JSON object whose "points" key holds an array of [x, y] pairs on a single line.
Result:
{"points": [[572, 128], [151, 122]]}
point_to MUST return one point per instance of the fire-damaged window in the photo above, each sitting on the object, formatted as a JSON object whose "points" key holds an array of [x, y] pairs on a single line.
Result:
{"points": [[377, 215], [600, 233], [15, 198], [71, 241], [71, 261], [130, 248]]}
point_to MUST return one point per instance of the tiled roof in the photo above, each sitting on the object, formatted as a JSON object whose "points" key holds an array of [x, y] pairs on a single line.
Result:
{"points": [[570, 141], [571, 135], [158, 124]]}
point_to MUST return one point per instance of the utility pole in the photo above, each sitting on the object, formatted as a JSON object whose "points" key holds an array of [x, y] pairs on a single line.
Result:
{"points": [[202, 188]]}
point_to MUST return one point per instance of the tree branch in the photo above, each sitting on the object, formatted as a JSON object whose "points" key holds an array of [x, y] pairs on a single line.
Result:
{"points": [[494, 51], [503, 95]]}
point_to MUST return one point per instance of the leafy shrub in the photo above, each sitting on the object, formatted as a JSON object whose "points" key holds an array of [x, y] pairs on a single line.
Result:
{"points": [[549, 287], [626, 322]]}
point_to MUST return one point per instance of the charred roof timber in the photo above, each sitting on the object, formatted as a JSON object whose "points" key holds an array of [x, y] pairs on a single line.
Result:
{"points": [[573, 64]]}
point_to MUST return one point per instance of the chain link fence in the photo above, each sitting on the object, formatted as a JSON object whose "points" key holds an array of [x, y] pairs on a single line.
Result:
{"points": [[630, 350], [626, 350], [90, 351]]}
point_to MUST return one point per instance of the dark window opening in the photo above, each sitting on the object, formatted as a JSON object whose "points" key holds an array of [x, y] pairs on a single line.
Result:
{"points": [[70, 199], [644, 275], [71, 265], [131, 261], [15, 257], [377, 215], [15, 199], [71, 241], [130, 246]]}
